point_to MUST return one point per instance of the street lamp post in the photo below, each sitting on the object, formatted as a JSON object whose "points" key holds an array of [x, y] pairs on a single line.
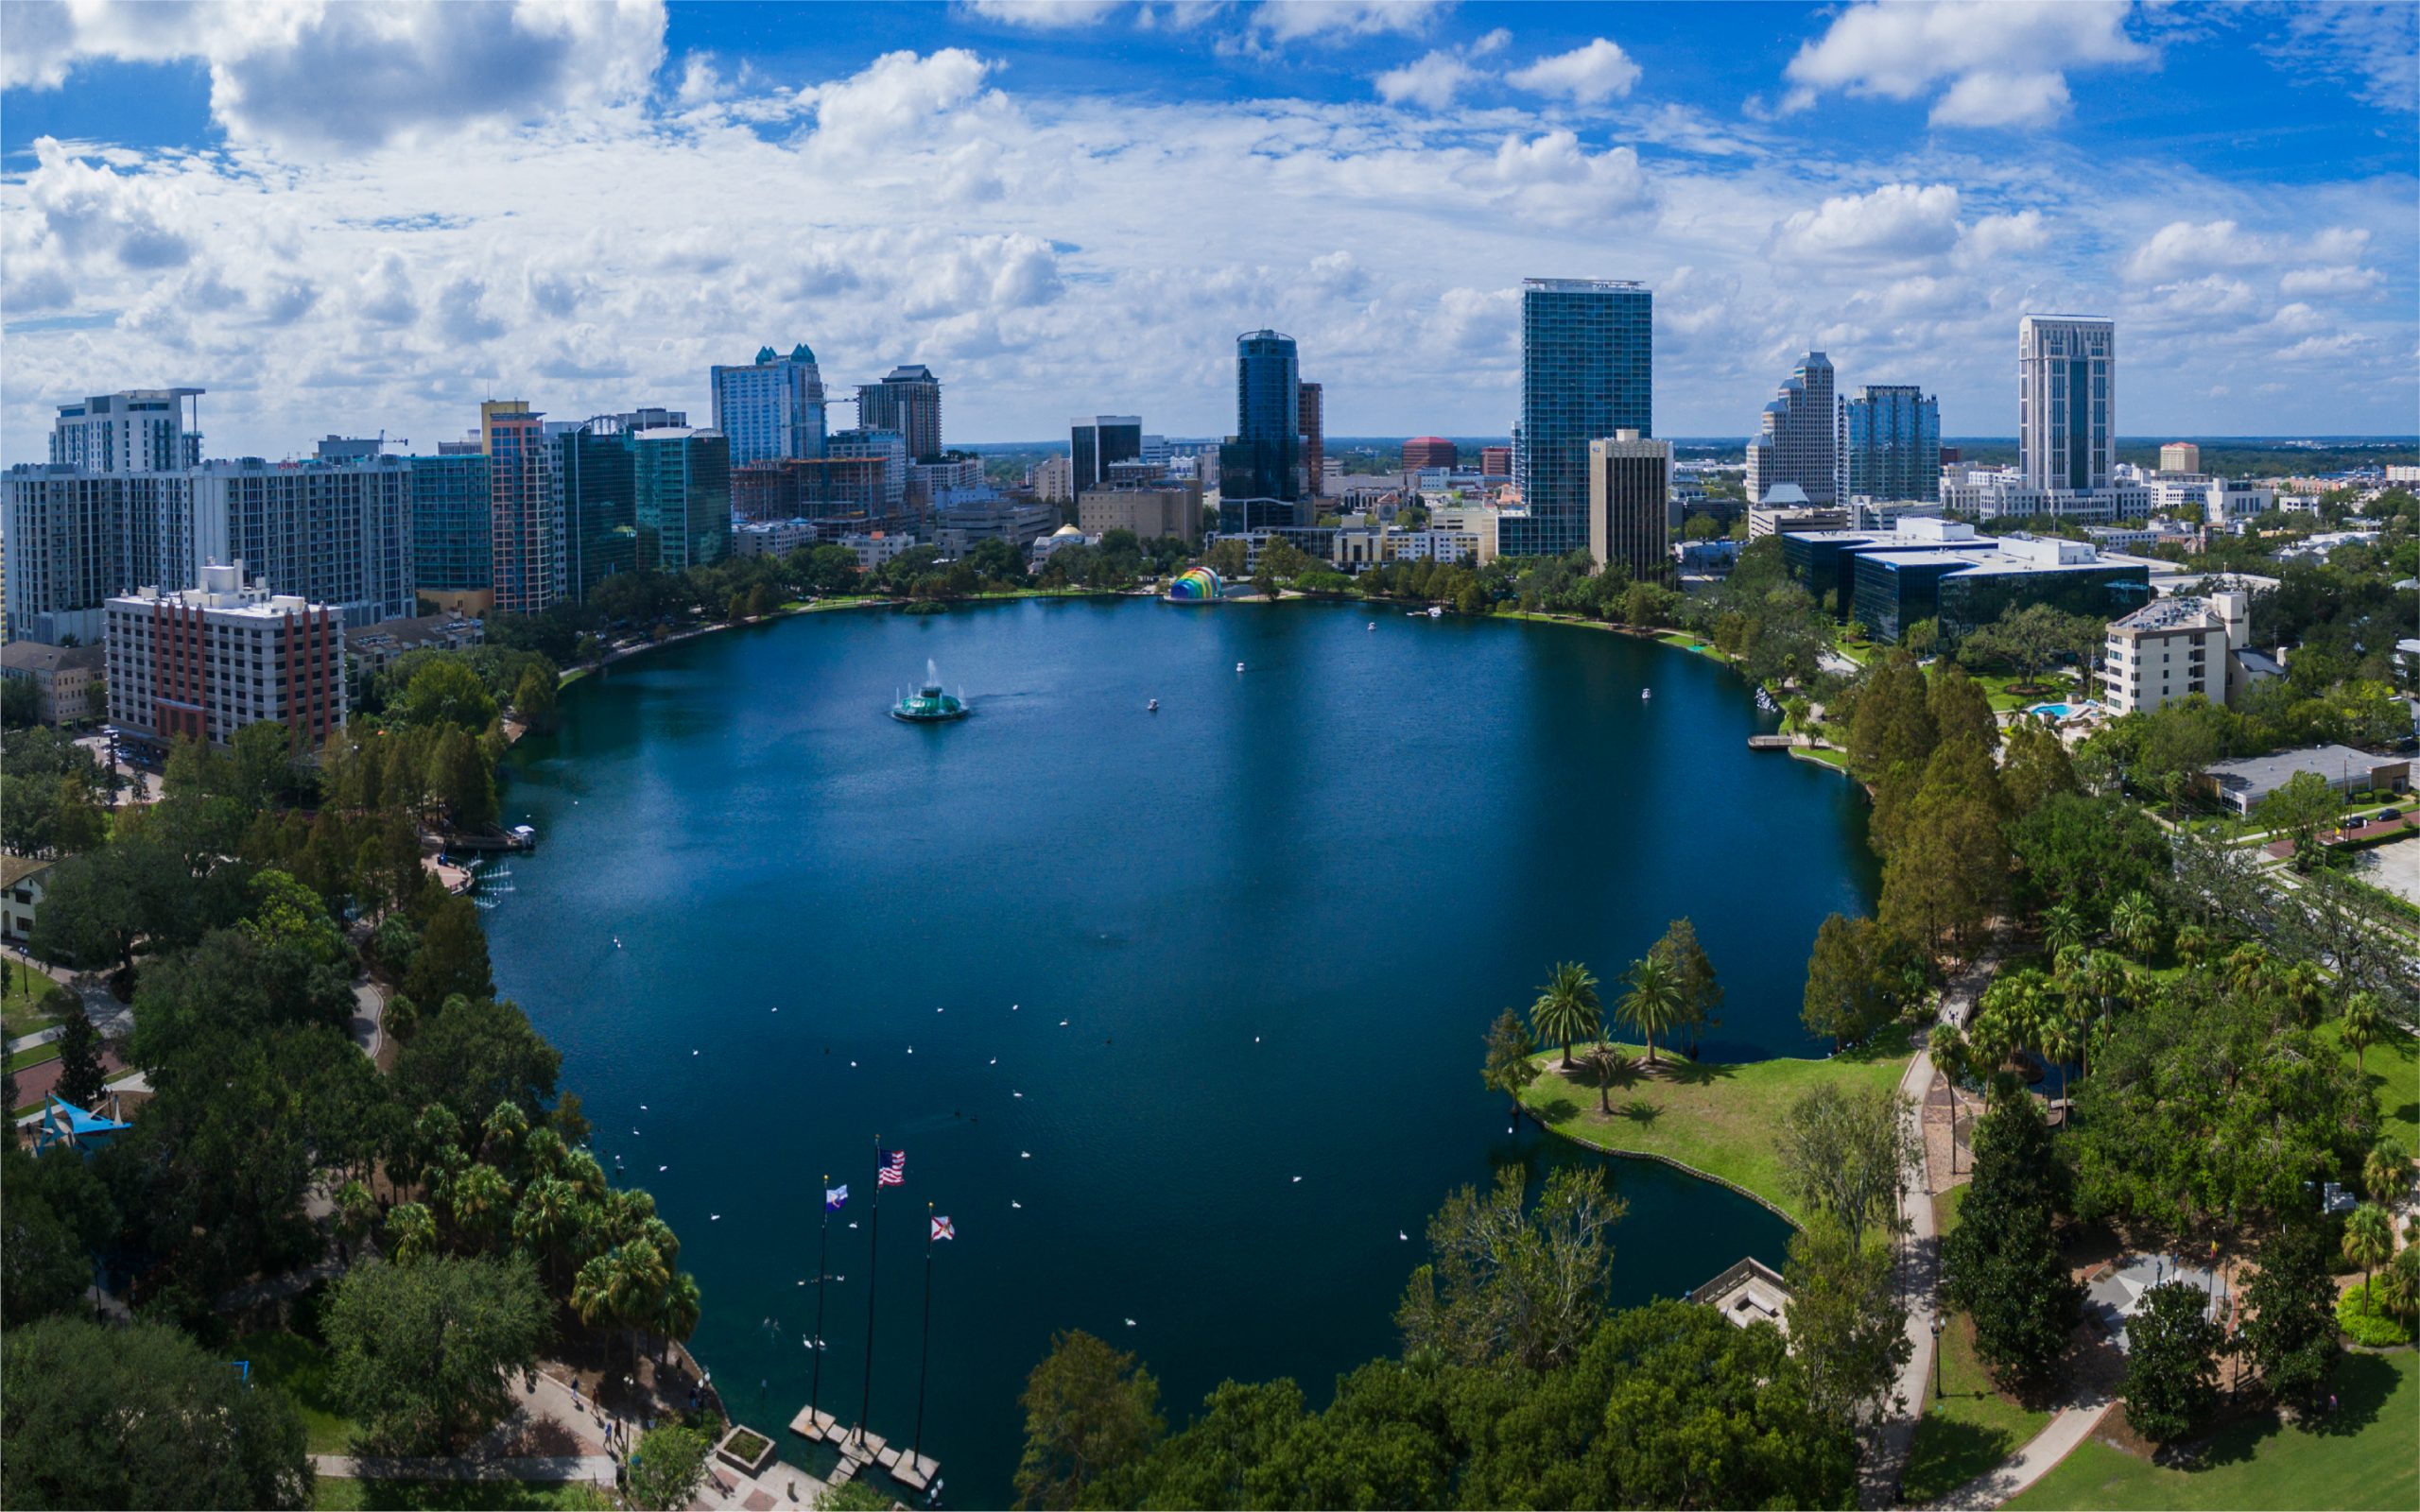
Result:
{"points": [[1936, 1357]]}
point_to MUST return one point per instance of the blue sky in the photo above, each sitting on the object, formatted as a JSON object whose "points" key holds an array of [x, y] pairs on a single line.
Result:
{"points": [[355, 216]]}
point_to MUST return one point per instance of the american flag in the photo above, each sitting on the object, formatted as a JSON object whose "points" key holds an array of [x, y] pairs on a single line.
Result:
{"points": [[943, 1230], [893, 1171]]}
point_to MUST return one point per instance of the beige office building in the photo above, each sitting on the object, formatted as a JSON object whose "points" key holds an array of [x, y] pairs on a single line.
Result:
{"points": [[1152, 510]]}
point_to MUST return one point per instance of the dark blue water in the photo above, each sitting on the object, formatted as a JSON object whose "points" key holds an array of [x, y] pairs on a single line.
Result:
{"points": [[1275, 919]]}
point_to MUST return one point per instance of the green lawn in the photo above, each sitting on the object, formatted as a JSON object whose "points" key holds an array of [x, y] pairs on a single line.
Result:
{"points": [[299, 1368], [1970, 1427], [1717, 1119], [2366, 1455], [31, 1001], [34, 1056], [2393, 1066], [443, 1496]]}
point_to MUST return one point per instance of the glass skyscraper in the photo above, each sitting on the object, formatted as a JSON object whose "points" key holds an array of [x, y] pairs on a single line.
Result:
{"points": [[1260, 468], [1895, 443], [1587, 371], [774, 408]]}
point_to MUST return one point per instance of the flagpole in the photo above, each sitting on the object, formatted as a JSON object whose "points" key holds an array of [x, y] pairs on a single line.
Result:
{"points": [[874, 1248], [924, 1358], [822, 1285]]}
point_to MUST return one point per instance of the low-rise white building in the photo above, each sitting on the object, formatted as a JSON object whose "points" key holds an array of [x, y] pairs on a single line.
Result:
{"points": [[200, 663]]}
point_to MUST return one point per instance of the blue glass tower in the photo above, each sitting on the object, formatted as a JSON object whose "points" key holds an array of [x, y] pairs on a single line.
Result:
{"points": [[1894, 443], [1588, 370], [1260, 468]]}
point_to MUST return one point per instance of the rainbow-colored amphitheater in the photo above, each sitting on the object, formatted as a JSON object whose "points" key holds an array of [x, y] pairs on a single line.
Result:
{"points": [[1195, 585]]}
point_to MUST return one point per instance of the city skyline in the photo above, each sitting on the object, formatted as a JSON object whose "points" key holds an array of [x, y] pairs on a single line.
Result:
{"points": [[920, 185]]}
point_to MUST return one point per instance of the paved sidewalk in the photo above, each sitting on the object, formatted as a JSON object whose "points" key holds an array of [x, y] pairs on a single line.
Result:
{"points": [[597, 1469], [2072, 1426]]}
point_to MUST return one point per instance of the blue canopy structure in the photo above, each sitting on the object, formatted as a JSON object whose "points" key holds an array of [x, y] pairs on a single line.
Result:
{"points": [[66, 1124]]}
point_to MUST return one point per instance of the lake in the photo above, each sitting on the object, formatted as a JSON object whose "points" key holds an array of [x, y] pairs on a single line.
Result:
{"points": [[1178, 1016]]}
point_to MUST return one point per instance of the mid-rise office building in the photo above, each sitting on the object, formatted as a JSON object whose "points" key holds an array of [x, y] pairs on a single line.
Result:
{"points": [[138, 430], [908, 401], [525, 507], [1798, 441], [1422, 453], [774, 408], [1097, 442], [1311, 421], [1893, 439], [683, 514], [2066, 403], [1630, 512], [1150, 510], [1260, 465], [453, 556], [202, 662], [1587, 372]]}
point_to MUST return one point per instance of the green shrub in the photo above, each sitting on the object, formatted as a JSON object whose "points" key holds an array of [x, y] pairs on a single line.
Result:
{"points": [[2364, 1325]]}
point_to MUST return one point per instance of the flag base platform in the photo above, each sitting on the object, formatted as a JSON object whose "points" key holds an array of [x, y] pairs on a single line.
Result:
{"points": [[913, 1470], [814, 1424]]}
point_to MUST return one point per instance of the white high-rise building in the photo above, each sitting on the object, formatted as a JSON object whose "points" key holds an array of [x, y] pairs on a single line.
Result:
{"points": [[2066, 403], [1799, 436], [140, 430]]}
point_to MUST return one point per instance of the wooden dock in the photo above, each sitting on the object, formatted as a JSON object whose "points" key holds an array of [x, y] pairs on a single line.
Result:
{"points": [[861, 1451]]}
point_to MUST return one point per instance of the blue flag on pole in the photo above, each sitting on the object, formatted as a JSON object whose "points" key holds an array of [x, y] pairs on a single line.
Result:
{"points": [[834, 1196]]}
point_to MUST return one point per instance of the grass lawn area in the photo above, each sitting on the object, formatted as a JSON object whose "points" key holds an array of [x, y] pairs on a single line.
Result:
{"points": [[34, 1057], [1971, 1427], [1719, 1119], [2394, 1068], [347, 1496], [2366, 1455], [31, 1001], [299, 1368]]}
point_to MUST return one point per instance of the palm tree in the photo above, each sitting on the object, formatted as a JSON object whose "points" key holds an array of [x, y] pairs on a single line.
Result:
{"points": [[2369, 1240], [677, 1312], [1653, 1004], [2062, 928], [1955, 1058], [411, 1233], [1610, 1066], [2364, 1026], [482, 1204], [1567, 1008], [2386, 1172], [2136, 922]]}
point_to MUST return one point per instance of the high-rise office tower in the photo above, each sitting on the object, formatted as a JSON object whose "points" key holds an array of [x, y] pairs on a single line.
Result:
{"points": [[1893, 442], [1798, 438], [1587, 372], [600, 504], [774, 407], [684, 496], [1630, 512], [1260, 465], [525, 507], [909, 402], [2067, 432], [1312, 424], [452, 559], [139, 430], [1095, 441]]}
